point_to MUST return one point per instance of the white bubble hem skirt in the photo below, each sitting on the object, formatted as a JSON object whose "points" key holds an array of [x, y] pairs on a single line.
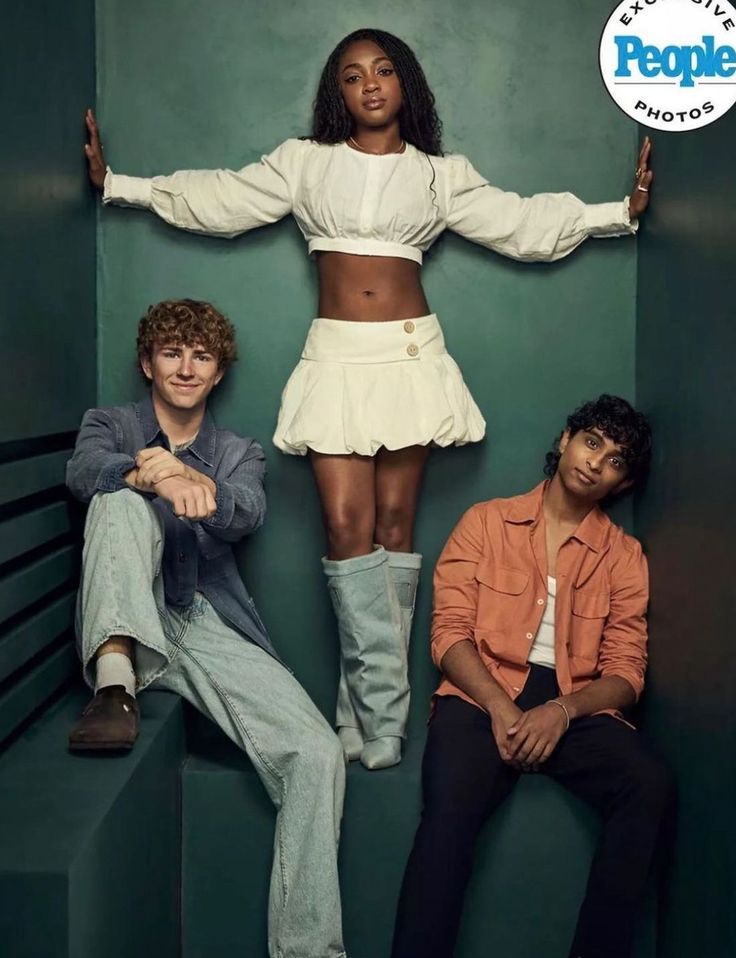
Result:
{"points": [[361, 386]]}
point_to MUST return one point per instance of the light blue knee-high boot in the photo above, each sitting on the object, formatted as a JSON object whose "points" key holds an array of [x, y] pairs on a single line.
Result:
{"points": [[373, 654], [348, 727], [404, 573], [404, 568]]}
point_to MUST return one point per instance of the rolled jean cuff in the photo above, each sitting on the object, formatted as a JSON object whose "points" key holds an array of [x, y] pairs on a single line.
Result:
{"points": [[405, 560], [336, 567]]}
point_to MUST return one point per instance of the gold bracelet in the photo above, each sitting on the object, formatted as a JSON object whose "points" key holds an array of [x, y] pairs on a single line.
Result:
{"points": [[564, 709]]}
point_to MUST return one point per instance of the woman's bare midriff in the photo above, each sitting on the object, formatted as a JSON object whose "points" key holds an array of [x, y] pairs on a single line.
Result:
{"points": [[369, 289]]}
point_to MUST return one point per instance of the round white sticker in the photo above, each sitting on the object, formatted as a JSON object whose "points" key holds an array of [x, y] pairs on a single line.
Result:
{"points": [[671, 64]]}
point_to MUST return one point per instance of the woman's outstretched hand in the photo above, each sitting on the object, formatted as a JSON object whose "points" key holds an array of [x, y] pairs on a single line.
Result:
{"points": [[639, 199], [93, 151]]}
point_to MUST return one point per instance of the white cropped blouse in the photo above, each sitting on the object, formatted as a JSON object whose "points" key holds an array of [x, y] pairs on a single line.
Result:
{"points": [[391, 205]]}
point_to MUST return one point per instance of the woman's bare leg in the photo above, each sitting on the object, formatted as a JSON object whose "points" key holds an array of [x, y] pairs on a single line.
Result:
{"points": [[346, 487], [398, 479]]}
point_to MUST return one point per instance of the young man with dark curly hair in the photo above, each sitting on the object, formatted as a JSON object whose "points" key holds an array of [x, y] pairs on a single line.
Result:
{"points": [[162, 605], [539, 630]]}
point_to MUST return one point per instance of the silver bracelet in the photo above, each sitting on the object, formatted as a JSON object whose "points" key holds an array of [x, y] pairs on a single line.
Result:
{"points": [[564, 709]]}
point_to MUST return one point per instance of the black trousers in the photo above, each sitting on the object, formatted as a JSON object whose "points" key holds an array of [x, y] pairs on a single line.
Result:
{"points": [[464, 780]]}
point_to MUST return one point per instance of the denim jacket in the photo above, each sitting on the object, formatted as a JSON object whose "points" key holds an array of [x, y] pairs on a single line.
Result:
{"points": [[197, 555]]}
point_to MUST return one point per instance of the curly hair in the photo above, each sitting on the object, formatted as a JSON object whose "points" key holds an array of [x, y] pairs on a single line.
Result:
{"points": [[618, 421], [418, 120], [187, 322]]}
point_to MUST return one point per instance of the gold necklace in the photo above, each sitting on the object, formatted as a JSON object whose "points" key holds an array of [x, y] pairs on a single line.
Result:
{"points": [[402, 147]]}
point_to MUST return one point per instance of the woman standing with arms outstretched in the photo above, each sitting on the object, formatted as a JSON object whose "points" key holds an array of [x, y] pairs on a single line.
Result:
{"points": [[371, 190]]}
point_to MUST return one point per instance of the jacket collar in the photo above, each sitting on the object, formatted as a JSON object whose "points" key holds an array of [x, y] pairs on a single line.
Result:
{"points": [[203, 446], [592, 531]]}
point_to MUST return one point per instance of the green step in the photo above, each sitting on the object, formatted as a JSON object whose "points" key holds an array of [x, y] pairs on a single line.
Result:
{"points": [[531, 863], [89, 844]]}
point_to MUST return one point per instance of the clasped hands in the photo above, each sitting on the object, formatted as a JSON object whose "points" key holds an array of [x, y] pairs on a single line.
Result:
{"points": [[527, 739], [159, 471]]}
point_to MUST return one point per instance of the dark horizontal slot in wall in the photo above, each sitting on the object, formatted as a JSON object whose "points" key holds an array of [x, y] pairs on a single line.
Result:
{"points": [[35, 628], [33, 530], [20, 563], [48, 569], [20, 478], [31, 691], [36, 500], [35, 665], [39, 569], [39, 445]]}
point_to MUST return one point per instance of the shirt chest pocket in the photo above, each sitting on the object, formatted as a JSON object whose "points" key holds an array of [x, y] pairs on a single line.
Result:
{"points": [[499, 596], [589, 613]]}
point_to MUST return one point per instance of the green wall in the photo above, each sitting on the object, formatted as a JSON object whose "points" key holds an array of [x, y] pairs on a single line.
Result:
{"points": [[47, 287], [48, 322], [187, 85], [686, 343]]}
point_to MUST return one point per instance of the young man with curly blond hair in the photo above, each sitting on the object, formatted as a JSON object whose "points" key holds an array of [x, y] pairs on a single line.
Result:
{"points": [[162, 605]]}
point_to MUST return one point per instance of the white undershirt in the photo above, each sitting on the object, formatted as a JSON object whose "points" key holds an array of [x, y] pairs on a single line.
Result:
{"points": [[542, 651], [177, 447]]}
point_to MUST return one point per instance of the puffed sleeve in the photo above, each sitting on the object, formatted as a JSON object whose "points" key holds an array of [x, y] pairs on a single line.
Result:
{"points": [[546, 226], [216, 202]]}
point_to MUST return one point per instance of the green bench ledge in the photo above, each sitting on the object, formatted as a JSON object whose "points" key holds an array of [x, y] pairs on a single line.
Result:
{"points": [[91, 847], [531, 864], [89, 844]]}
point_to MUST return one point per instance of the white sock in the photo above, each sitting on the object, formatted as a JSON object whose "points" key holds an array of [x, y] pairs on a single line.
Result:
{"points": [[115, 668]]}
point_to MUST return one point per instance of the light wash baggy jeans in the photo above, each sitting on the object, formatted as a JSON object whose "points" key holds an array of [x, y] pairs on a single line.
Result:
{"points": [[254, 700]]}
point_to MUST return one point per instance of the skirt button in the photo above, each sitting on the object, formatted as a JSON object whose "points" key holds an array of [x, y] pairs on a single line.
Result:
{"points": [[409, 327], [412, 349]]}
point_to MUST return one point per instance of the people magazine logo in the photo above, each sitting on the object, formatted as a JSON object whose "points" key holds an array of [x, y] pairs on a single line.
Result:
{"points": [[671, 64]]}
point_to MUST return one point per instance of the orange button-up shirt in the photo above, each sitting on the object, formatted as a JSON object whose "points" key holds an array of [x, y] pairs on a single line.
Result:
{"points": [[490, 587]]}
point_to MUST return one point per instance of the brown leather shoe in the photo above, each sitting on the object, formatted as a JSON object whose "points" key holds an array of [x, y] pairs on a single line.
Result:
{"points": [[110, 721]]}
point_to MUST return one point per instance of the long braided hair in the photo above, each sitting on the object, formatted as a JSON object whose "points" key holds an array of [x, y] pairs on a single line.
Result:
{"points": [[418, 120]]}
